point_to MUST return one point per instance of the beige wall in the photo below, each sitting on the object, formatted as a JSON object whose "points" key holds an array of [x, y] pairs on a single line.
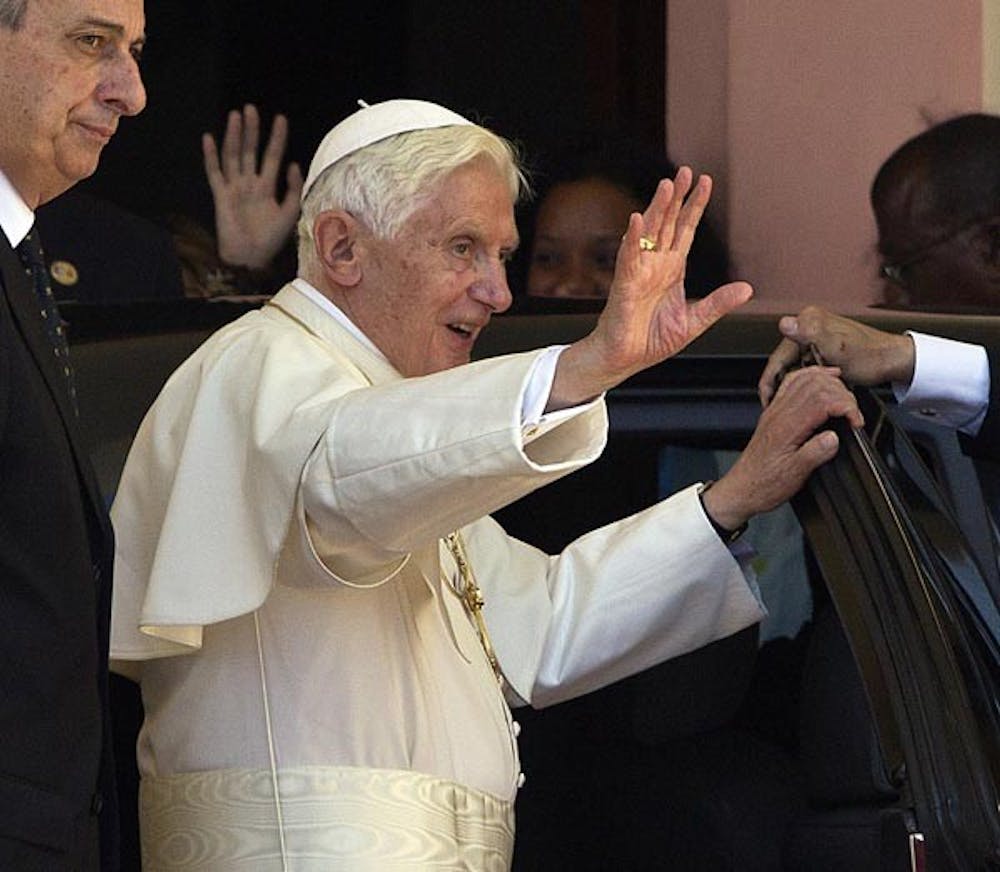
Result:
{"points": [[991, 55], [793, 104]]}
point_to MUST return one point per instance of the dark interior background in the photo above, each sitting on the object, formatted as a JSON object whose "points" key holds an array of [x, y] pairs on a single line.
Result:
{"points": [[531, 71]]}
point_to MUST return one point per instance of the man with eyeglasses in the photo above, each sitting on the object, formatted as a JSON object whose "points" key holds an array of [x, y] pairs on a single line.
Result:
{"points": [[937, 205]]}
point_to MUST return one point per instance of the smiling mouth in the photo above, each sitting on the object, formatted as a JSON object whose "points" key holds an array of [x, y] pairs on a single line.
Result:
{"points": [[97, 131], [463, 330]]}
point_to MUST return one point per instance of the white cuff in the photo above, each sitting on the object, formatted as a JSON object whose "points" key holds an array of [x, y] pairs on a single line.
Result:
{"points": [[951, 383], [534, 421]]}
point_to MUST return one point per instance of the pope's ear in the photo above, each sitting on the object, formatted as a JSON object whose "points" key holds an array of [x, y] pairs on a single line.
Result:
{"points": [[335, 235]]}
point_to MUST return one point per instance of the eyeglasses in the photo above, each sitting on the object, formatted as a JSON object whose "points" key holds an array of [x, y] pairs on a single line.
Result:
{"points": [[894, 271]]}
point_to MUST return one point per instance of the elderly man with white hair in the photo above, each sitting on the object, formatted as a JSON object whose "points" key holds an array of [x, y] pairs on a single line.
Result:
{"points": [[327, 626]]}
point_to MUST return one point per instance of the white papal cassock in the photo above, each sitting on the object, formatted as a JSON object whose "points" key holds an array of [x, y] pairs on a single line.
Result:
{"points": [[314, 689]]}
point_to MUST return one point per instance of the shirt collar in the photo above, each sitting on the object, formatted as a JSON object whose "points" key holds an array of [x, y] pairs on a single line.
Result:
{"points": [[15, 216], [338, 314]]}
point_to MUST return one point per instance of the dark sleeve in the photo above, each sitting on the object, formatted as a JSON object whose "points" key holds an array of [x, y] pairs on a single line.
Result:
{"points": [[986, 444]]}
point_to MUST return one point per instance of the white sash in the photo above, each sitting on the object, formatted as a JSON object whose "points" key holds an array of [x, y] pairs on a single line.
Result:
{"points": [[335, 818]]}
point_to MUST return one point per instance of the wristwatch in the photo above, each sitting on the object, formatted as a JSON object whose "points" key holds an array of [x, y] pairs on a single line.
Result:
{"points": [[727, 536]]}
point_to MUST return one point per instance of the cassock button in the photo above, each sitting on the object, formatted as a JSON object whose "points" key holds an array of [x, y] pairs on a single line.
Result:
{"points": [[520, 780], [929, 413], [515, 728]]}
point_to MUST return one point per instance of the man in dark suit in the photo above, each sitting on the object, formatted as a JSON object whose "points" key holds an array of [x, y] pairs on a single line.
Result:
{"points": [[937, 204], [68, 72]]}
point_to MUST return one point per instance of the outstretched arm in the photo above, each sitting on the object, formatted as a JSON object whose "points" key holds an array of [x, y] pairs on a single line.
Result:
{"points": [[647, 317], [251, 224], [865, 355]]}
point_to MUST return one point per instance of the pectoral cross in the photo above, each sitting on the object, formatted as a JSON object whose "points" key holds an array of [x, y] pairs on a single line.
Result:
{"points": [[472, 598]]}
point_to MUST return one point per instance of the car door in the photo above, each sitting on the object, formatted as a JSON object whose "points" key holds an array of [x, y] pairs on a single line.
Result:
{"points": [[919, 615]]}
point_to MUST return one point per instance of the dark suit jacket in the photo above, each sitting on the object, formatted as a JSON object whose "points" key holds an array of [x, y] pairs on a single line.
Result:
{"points": [[56, 771]]}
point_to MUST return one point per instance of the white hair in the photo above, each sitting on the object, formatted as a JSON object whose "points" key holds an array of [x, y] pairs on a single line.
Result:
{"points": [[12, 13], [383, 184]]}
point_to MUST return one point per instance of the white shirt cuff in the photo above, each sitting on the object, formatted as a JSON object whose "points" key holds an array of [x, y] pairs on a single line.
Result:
{"points": [[951, 383], [534, 421]]}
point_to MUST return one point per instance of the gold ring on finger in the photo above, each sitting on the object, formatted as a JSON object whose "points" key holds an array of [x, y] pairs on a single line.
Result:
{"points": [[646, 244]]}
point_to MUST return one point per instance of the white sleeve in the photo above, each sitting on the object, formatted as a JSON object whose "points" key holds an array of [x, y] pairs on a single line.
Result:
{"points": [[616, 601], [403, 463], [951, 383]]}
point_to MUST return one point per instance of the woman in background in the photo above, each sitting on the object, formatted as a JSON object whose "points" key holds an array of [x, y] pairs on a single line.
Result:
{"points": [[586, 193]]}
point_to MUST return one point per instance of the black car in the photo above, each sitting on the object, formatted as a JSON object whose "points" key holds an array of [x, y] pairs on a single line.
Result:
{"points": [[857, 729]]}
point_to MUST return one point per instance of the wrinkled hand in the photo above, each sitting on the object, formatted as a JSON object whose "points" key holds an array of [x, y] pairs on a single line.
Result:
{"points": [[251, 224], [866, 356], [785, 448], [647, 317]]}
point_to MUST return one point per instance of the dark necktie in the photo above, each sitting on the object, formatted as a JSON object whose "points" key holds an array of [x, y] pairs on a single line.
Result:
{"points": [[30, 252]]}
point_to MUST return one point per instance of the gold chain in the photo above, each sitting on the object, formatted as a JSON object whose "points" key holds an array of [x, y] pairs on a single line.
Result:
{"points": [[472, 598]]}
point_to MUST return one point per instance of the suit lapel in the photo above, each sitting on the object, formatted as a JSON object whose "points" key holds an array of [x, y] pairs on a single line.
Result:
{"points": [[27, 316]]}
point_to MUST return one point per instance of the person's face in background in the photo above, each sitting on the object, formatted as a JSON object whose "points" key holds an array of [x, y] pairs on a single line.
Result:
{"points": [[578, 229], [927, 265], [67, 74]]}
